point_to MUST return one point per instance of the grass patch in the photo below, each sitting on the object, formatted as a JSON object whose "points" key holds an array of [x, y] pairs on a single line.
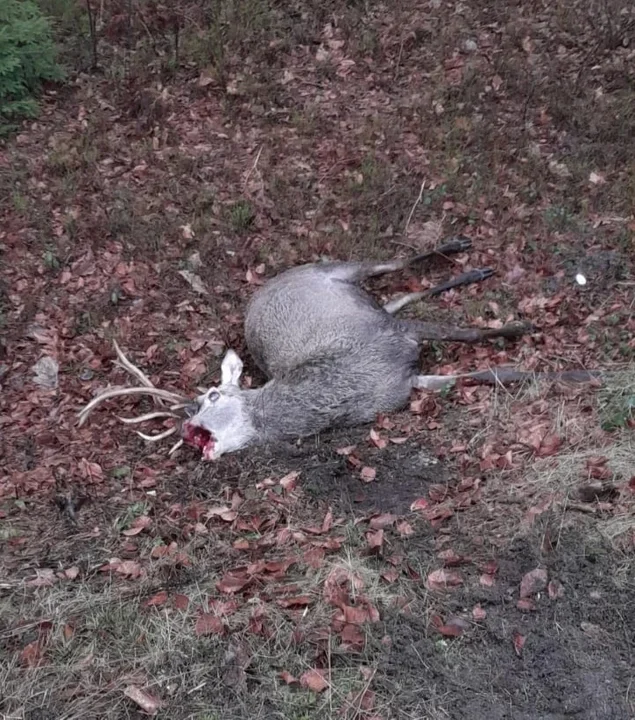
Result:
{"points": [[617, 401], [241, 216]]}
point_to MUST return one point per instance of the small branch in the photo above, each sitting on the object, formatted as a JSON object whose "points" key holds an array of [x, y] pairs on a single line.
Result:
{"points": [[414, 207], [253, 167]]}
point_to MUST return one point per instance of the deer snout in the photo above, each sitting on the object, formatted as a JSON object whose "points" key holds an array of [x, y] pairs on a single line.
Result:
{"points": [[199, 437]]}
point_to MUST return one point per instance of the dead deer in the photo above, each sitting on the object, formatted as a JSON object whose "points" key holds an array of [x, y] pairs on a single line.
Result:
{"points": [[333, 355]]}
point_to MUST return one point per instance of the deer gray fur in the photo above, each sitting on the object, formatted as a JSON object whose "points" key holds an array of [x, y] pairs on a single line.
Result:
{"points": [[334, 357]]}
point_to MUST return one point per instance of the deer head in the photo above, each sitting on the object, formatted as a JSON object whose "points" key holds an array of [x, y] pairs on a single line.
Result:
{"points": [[216, 422], [218, 419]]}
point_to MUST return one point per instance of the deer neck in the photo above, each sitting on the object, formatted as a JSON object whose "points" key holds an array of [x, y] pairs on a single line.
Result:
{"points": [[277, 411]]}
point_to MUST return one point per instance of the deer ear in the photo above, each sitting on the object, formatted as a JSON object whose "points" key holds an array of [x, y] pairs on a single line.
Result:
{"points": [[231, 368]]}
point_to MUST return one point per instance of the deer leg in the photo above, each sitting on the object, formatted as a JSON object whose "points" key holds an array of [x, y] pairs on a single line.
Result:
{"points": [[356, 272], [421, 331], [503, 376], [473, 276]]}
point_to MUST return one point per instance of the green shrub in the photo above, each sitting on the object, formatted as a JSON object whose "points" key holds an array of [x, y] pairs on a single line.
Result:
{"points": [[27, 58]]}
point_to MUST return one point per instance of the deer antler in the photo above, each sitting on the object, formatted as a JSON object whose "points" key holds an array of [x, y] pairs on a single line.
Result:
{"points": [[178, 402], [119, 392]]}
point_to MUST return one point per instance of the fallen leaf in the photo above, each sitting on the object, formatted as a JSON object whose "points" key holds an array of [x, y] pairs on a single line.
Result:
{"points": [[366, 701], [327, 523], [288, 482], [71, 573], [377, 440], [156, 600], [442, 579], [206, 77], [478, 613], [549, 445], [404, 528], [314, 680], [32, 655], [46, 373], [367, 474], [555, 589], [138, 525], [298, 601], [208, 624], [451, 558], [232, 584], [519, 643], [314, 557], [187, 231], [382, 521], [223, 512], [345, 450], [449, 630], [288, 677], [148, 703], [356, 615], [390, 576], [526, 605], [195, 281], [419, 504], [352, 637], [375, 538], [131, 568], [222, 607], [533, 582], [43, 578], [181, 602]]}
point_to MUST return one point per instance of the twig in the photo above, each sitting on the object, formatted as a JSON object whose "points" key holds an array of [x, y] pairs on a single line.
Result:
{"points": [[410, 246], [414, 207], [398, 63], [253, 167]]}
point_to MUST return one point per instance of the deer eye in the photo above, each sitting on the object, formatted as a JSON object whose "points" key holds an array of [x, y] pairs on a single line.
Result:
{"points": [[213, 396], [191, 409]]}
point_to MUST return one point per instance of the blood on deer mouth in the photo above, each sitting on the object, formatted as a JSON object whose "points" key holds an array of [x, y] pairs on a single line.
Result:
{"points": [[200, 438]]}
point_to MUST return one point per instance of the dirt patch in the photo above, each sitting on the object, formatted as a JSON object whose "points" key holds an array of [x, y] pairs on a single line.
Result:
{"points": [[576, 656], [402, 472]]}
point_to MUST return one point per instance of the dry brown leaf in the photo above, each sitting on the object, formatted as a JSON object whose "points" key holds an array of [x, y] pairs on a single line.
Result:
{"points": [[148, 703], [533, 582], [375, 538], [379, 522], [443, 579], [288, 677], [367, 474], [157, 600], [315, 680], [208, 624]]}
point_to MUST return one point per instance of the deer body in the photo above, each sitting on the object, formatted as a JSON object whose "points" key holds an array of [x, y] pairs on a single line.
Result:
{"points": [[332, 354], [334, 357]]}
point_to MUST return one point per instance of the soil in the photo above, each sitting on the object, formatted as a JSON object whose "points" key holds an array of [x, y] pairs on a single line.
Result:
{"points": [[576, 661], [329, 477]]}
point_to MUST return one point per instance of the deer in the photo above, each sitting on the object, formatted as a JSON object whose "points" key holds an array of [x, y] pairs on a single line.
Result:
{"points": [[333, 357]]}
